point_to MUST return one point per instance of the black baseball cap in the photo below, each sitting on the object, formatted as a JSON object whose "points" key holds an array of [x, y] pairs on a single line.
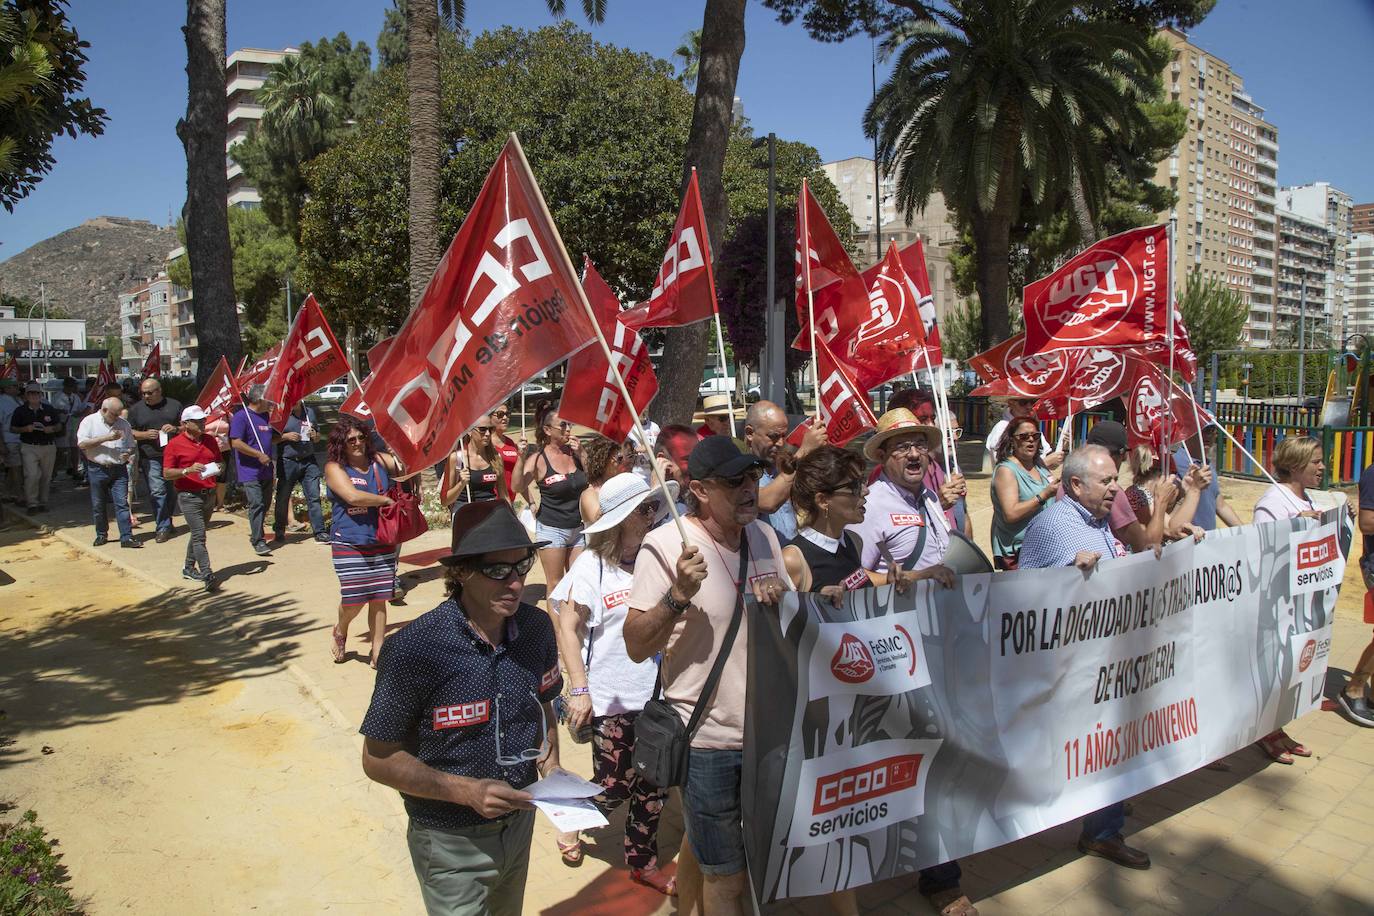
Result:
{"points": [[719, 456], [1109, 434]]}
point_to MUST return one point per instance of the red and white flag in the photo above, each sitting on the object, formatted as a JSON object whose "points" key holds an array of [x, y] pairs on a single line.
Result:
{"points": [[844, 405], [1011, 373], [838, 293], [891, 340], [914, 261], [354, 404], [311, 358], [685, 291], [1112, 295], [503, 306], [261, 369], [152, 366], [1157, 411], [590, 395], [104, 376], [218, 395], [9, 369]]}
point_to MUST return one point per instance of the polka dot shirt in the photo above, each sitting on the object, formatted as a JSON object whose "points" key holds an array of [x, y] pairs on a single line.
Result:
{"points": [[441, 690]]}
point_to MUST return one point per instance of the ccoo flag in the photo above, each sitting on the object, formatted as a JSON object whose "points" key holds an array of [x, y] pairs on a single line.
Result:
{"points": [[685, 291], [311, 358], [152, 366], [503, 305], [218, 395]]}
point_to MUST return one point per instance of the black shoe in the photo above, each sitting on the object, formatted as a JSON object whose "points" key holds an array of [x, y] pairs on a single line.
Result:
{"points": [[82, 483], [100, 541], [192, 575], [163, 535], [211, 582], [130, 543], [1114, 849], [261, 549], [278, 536], [43, 508], [322, 539], [1356, 709]]}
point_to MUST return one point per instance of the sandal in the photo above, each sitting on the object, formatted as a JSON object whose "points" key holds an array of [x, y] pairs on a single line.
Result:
{"points": [[1295, 748], [570, 852], [338, 647], [952, 902], [1273, 746], [652, 877]]}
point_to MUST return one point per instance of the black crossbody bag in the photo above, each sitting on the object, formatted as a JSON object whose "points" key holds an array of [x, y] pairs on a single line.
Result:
{"points": [[662, 742]]}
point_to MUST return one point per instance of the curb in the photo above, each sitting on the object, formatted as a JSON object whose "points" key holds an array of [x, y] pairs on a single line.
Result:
{"points": [[306, 682]]}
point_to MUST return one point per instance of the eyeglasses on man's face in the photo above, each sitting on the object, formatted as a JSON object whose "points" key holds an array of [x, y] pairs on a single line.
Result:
{"points": [[529, 754], [909, 445]]}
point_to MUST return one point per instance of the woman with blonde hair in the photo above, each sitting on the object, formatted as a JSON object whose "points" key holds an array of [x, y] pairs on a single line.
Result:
{"points": [[475, 473], [1152, 488]]}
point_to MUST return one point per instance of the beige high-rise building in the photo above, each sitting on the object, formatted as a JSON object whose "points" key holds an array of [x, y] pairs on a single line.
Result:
{"points": [[854, 179], [1362, 218], [244, 73], [1304, 305], [1360, 265], [1225, 172], [1330, 206]]}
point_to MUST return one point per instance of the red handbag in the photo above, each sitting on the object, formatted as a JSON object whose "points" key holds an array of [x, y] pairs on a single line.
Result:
{"points": [[402, 520]]}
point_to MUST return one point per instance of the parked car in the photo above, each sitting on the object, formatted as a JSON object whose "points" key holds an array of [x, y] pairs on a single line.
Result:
{"points": [[536, 390], [717, 385], [336, 391]]}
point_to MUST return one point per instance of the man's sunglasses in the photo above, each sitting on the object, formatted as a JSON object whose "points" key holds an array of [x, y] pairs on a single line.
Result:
{"points": [[734, 483], [501, 572]]}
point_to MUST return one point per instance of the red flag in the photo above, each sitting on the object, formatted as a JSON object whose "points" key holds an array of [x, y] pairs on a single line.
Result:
{"points": [[261, 369], [1148, 403], [890, 341], [1012, 374], [311, 359], [685, 291], [1114, 294], [503, 306], [218, 395], [590, 395], [9, 369], [844, 405], [354, 403], [104, 376], [839, 294], [152, 366], [914, 261]]}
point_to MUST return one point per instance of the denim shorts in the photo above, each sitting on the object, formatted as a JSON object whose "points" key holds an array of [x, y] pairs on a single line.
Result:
{"points": [[558, 537], [711, 809]]}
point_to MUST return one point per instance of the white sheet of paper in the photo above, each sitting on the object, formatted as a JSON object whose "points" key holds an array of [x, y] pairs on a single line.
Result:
{"points": [[162, 439], [571, 814], [561, 785], [211, 470]]}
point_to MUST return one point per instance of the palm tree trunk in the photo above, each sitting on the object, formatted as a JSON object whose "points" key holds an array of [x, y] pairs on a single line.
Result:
{"points": [[422, 83], [203, 134], [992, 241], [1082, 213], [722, 46]]}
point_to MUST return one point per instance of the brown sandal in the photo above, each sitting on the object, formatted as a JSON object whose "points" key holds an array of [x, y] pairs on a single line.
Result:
{"points": [[1273, 746], [952, 902], [652, 877]]}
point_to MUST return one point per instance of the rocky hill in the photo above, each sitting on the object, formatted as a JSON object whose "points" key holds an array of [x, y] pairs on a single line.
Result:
{"points": [[86, 268]]}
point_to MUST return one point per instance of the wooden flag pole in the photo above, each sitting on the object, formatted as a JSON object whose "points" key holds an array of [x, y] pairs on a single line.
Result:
{"points": [[605, 347]]}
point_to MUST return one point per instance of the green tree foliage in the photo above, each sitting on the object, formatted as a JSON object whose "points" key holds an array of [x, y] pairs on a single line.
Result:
{"points": [[689, 52], [42, 75], [264, 257], [310, 101], [1214, 314]]}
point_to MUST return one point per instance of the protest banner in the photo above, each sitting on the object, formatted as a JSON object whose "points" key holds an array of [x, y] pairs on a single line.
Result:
{"points": [[898, 732]]}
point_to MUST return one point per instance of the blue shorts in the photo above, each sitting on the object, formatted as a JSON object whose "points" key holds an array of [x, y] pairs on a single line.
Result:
{"points": [[558, 537], [711, 808]]}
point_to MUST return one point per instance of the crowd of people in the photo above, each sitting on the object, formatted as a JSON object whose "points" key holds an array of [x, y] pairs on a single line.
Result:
{"points": [[468, 697]]}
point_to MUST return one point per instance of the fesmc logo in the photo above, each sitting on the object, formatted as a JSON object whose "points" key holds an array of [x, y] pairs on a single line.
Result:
{"points": [[1035, 375], [1147, 407], [1091, 299], [855, 662]]}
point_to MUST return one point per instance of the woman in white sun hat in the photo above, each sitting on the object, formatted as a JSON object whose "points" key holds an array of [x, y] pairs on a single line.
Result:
{"points": [[608, 690]]}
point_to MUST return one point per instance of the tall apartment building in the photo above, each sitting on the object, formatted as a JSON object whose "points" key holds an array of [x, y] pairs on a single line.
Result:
{"points": [[1225, 172], [157, 311], [244, 73], [854, 179], [1331, 207], [1360, 268], [1362, 218], [1306, 258]]}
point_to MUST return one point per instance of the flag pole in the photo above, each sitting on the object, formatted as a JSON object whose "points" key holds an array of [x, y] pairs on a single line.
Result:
{"points": [[601, 340], [810, 298], [1173, 304], [724, 374]]}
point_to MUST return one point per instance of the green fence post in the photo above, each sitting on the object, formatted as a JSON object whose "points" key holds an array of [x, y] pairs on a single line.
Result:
{"points": [[1328, 450]]}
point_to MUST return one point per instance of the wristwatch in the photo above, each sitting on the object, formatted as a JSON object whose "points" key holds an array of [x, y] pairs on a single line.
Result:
{"points": [[674, 606]]}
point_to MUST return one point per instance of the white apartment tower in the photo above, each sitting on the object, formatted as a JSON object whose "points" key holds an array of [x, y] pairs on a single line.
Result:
{"points": [[244, 73], [1333, 208]]}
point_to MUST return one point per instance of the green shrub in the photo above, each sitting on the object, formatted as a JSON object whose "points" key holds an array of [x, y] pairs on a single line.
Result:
{"points": [[31, 877]]}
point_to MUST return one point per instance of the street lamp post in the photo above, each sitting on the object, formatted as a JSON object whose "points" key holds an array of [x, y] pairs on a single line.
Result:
{"points": [[773, 360], [1302, 336]]}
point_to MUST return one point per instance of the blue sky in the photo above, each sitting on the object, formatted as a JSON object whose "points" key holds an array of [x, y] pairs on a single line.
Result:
{"points": [[1309, 64]]}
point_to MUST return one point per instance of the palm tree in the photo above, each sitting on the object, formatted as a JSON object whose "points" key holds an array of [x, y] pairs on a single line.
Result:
{"points": [[298, 107], [422, 19], [689, 49], [203, 133], [993, 99], [25, 69]]}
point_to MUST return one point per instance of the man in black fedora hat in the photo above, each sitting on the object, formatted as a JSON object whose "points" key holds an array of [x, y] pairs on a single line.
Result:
{"points": [[461, 717]]}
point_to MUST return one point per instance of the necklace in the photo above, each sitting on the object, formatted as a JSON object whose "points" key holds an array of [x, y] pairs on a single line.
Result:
{"points": [[743, 536]]}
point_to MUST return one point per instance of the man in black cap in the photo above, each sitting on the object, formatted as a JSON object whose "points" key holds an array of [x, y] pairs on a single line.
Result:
{"points": [[462, 714], [704, 575]]}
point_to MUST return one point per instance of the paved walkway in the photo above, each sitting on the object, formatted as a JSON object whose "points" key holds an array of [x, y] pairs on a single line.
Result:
{"points": [[1263, 838]]}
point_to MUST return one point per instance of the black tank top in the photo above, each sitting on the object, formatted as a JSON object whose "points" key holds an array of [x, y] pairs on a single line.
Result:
{"points": [[482, 484], [843, 567], [559, 494]]}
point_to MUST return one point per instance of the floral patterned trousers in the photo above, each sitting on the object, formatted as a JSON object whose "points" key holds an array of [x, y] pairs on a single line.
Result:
{"points": [[613, 740]]}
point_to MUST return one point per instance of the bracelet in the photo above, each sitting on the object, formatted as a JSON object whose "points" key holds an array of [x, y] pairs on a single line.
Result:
{"points": [[674, 606], [1040, 497], [579, 691]]}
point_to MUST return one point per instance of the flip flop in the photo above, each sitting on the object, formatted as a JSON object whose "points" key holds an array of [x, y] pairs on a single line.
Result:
{"points": [[653, 878], [338, 646], [1275, 750]]}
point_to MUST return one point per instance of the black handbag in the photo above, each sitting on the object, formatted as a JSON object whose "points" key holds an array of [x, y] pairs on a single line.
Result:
{"points": [[662, 742]]}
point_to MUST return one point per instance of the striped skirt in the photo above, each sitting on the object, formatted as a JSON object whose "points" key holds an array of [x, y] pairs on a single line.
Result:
{"points": [[367, 572]]}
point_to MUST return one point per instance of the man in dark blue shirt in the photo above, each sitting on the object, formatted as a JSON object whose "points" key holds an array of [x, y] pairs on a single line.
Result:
{"points": [[298, 464], [461, 719]]}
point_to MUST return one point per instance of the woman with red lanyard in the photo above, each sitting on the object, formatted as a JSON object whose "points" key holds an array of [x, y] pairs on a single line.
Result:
{"points": [[509, 449], [358, 477], [474, 473], [191, 461], [828, 493]]}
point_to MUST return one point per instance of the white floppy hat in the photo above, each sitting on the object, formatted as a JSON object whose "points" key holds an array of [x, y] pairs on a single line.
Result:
{"points": [[621, 495]]}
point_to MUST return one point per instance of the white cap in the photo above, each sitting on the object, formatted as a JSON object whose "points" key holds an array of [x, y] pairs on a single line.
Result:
{"points": [[194, 412]]}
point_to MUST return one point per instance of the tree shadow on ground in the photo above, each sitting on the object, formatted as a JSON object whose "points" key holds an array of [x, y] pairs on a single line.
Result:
{"points": [[89, 664]]}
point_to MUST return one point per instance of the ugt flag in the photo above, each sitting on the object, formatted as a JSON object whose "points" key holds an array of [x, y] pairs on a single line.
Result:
{"points": [[1159, 415], [590, 396], [152, 366], [503, 305], [1011, 373], [685, 291], [219, 393], [311, 358], [889, 341]]}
